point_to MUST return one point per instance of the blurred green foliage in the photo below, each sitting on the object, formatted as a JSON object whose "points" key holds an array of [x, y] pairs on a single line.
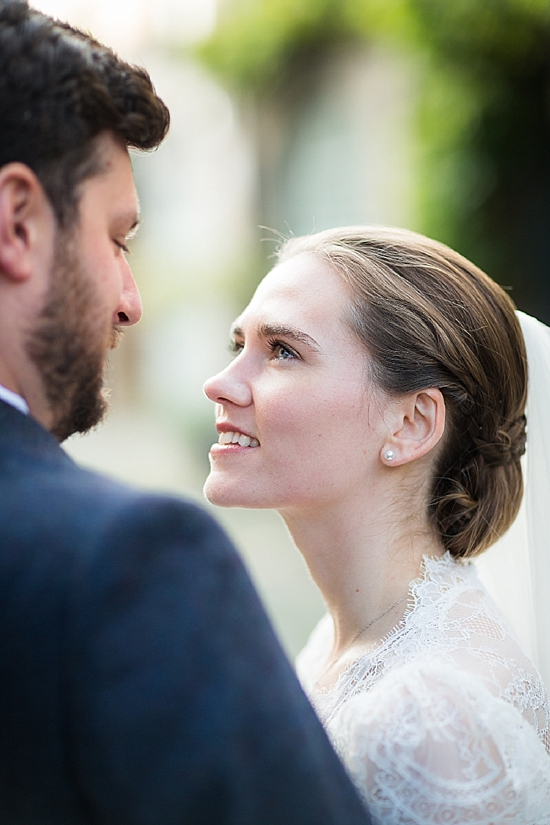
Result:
{"points": [[483, 109], [484, 127], [257, 42]]}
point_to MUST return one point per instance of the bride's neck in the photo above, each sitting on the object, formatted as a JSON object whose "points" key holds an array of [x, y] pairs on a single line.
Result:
{"points": [[361, 562]]}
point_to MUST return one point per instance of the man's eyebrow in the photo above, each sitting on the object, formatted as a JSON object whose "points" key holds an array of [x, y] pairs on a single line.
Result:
{"points": [[135, 222], [134, 229], [131, 220]]}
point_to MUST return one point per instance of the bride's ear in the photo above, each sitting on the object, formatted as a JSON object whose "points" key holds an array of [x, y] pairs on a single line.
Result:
{"points": [[418, 423]]}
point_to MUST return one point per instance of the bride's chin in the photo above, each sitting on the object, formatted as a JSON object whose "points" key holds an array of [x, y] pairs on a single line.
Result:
{"points": [[219, 494], [208, 492], [225, 493]]}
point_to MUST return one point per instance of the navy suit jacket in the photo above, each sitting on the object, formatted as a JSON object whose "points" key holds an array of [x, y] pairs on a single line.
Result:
{"points": [[140, 681]]}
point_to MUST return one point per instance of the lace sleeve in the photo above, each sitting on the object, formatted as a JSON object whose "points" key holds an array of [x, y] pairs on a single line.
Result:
{"points": [[430, 745]]}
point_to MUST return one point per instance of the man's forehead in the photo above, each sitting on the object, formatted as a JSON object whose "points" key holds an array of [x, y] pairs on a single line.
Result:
{"points": [[112, 185], [111, 157]]}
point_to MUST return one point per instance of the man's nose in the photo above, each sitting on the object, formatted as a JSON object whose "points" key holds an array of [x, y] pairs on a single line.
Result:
{"points": [[130, 308]]}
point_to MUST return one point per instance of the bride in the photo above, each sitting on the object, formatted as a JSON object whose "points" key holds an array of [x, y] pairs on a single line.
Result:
{"points": [[376, 401]]}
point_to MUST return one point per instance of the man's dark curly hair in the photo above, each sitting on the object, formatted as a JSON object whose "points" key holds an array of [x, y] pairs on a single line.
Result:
{"points": [[59, 89]]}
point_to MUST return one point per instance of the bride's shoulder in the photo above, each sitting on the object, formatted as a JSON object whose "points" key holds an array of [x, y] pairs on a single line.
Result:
{"points": [[425, 693], [433, 735]]}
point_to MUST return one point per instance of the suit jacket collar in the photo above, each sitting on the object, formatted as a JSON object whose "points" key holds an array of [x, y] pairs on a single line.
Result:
{"points": [[22, 434]]}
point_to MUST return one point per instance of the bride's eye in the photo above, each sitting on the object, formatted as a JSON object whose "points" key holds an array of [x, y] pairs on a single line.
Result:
{"points": [[281, 352]]}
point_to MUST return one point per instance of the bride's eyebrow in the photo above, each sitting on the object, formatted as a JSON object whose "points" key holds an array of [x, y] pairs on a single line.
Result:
{"points": [[269, 330]]}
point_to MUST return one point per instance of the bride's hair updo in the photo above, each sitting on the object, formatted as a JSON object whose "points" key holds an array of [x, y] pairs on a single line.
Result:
{"points": [[429, 318]]}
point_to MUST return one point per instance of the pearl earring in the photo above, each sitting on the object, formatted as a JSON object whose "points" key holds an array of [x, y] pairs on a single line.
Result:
{"points": [[389, 455]]}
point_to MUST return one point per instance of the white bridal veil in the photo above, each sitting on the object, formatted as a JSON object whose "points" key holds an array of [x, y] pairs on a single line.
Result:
{"points": [[516, 570]]}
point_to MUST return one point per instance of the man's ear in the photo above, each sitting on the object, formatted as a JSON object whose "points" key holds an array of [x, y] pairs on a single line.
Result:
{"points": [[24, 214], [418, 426]]}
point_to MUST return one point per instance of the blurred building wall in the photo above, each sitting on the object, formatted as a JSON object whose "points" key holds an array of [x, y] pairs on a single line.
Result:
{"points": [[344, 152]]}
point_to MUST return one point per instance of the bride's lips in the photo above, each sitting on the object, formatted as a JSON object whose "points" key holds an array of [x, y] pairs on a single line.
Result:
{"points": [[232, 439]]}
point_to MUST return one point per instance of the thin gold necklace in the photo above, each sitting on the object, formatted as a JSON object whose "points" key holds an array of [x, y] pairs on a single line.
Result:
{"points": [[359, 632]]}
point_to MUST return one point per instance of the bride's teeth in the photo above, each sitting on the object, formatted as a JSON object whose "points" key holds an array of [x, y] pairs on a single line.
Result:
{"points": [[238, 438]]}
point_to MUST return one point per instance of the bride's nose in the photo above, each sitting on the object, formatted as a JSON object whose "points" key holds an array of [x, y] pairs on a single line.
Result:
{"points": [[228, 387]]}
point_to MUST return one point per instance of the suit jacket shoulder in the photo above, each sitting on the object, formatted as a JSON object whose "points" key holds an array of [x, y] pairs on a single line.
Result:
{"points": [[140, 679]]}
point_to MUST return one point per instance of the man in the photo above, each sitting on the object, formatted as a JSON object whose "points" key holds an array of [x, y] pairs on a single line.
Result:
{"points": [[140, 681]]}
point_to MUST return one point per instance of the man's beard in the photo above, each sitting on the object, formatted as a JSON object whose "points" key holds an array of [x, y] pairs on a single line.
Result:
{"points": [[68, 346]]}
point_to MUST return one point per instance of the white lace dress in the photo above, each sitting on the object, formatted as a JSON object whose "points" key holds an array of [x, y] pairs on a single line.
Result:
{"points": [[447, 720]]}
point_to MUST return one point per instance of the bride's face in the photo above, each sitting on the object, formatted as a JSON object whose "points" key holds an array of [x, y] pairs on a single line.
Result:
{"points": [[309, 424]]}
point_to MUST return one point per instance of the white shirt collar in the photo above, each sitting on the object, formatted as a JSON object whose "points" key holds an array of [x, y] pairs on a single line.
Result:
{"points": [[15, 400]]}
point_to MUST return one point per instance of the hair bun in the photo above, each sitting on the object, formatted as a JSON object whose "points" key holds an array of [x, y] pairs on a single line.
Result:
{"points": [[508, 444]]}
